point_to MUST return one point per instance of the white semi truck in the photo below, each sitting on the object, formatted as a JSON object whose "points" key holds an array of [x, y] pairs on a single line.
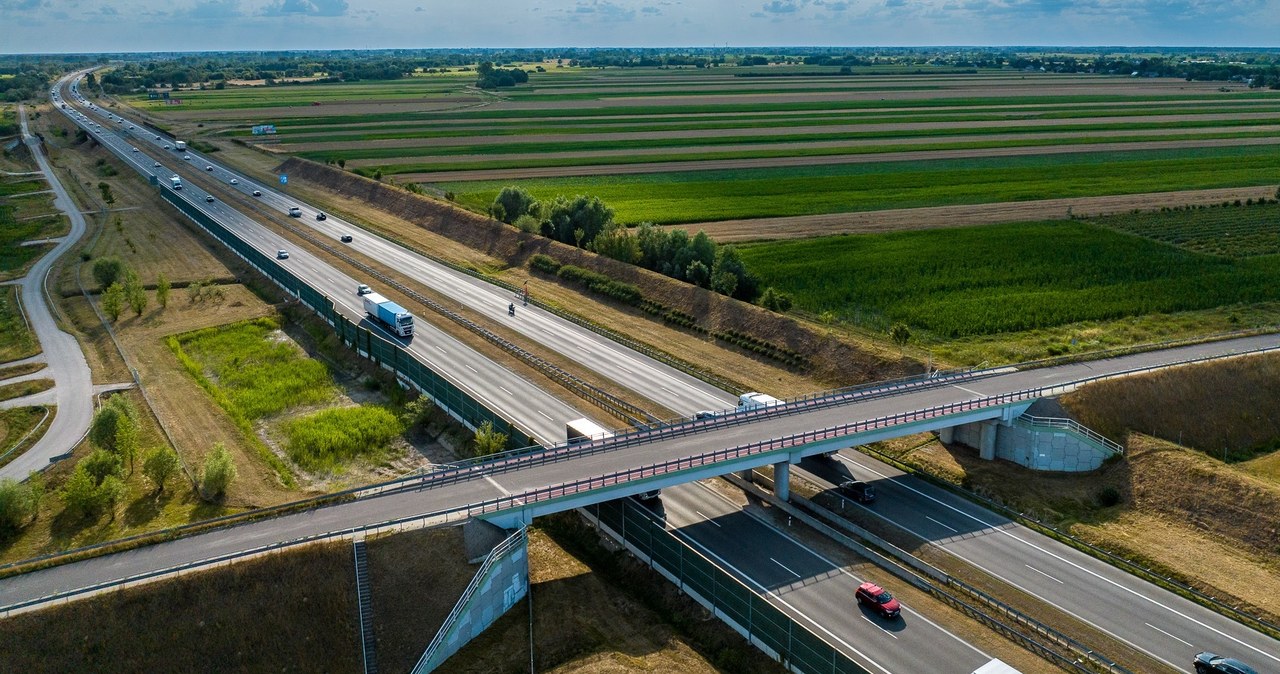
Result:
{"points": [[755, 401], [390, 314], [176, 182], [180, 146]]}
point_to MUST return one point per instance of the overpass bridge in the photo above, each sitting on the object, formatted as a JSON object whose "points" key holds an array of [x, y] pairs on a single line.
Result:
{"points": [[513, 488]]}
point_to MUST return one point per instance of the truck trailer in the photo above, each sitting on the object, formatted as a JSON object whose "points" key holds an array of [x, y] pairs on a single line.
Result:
{"points": [[390, 314], [180, 146], [755, 401]]}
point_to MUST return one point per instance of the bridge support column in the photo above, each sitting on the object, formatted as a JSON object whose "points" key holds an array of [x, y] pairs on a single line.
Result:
{"points": [[746, 475], [782, 480], [987, 440], [946, 435]]}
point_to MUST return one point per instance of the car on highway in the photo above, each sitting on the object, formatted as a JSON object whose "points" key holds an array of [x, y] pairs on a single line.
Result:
{"points": [[321, 216], [857, 490], [135, 149], [158, 138], [156, 164], [705, 414], [1212, 663], [879, 599], [363, 289], [208, 167], [208, 198], [257, 193], [345, 238], [166, 147], [186, 157], [282, 254], [295, 212], [235, 182]]}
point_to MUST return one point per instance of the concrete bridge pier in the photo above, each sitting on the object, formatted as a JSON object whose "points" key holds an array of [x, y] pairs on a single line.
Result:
{"points": [[782, 480], [987, 431], [947, 435]]}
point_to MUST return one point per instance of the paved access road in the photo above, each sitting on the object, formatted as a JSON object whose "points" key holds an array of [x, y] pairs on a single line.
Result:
{"points": [[73, 383]]}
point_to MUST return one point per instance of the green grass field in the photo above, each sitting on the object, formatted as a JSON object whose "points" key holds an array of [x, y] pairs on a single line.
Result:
{"points": [[691, 196], [260, 373], [16, 340], [965, 282], [324, 440]]}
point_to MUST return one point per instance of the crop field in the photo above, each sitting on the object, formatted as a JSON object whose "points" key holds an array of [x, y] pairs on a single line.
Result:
{"points": [[719, 195], [1004, 278], [744, 142], [1232, 231]]}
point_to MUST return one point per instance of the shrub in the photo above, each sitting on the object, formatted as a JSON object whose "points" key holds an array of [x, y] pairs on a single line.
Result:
{"points": [[601, 284], [101, 464], [544, 263], [19, 501], [327, 438], [488, 440], [219, 472], [107, 270], [775, 300]]}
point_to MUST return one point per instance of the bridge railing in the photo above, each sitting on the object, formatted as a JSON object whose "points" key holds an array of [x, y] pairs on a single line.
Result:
{"points": [[1075, 427]]}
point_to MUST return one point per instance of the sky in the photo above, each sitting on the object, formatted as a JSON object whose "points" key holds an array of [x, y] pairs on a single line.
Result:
{"points": [[28, 26]]}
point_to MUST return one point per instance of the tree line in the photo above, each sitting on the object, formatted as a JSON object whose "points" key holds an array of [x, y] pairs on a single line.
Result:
{"points": [[587, 222]]}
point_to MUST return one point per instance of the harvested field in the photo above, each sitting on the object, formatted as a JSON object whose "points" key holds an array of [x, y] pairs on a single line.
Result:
{"points": [[898, 219]]}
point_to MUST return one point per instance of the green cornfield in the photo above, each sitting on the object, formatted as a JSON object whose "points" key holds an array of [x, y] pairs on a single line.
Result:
{"points": [[1004, 278]]}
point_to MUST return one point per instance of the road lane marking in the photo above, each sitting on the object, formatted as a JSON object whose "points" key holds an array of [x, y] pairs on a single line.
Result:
{"points": [[770, 526], [544, 414], [497, 486], [439, 349], [1001, 531], [504, 390], [879, 626], [968, 390], [944, 526], [1044, 574], [784, 567], [470, 368], [706, 518], [1188, 643]]}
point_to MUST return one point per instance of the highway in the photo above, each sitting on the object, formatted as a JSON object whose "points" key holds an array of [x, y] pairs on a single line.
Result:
{"points": [[812, 588], [1038, 553]]}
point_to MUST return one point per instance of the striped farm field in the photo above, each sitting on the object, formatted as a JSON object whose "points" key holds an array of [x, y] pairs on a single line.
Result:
{"points": [[676, 197], [965, 282], [736, 143]]}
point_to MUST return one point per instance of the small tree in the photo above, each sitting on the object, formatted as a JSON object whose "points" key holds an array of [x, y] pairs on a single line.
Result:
{"points": [[162, 290], [775, 300], [417, 411], [219, 472], [342, 163], [127, 440], [107, 270], [106, 421], [100, 464], [18, 503], [113, 301], [80, 493], [110, 492], [194, 291], [134, 293], [900, 334], [488, 440], [159, 465]]}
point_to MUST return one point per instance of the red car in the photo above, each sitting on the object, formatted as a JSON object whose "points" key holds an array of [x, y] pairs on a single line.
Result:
{"points": [[878, 599]]}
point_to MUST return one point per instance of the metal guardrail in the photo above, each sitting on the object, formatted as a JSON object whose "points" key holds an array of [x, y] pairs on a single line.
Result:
{"points": [[499, 551], [1075, 427], [1039, 628]]}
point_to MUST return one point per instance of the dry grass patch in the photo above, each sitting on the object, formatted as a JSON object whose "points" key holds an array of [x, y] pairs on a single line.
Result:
{"points": [[1236, 404], [267, 614], [24, 388], [19, 370], [1171, 499]]}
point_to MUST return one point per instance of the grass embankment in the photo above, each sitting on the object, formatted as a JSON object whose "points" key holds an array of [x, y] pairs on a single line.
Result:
{"points": [[15, 424], [322, 441], [676, 197], [1236, 406], [15, 257], [1004, 278], [594, 612], [294, 611], [16, 339], [19, 370], [25, 388]]}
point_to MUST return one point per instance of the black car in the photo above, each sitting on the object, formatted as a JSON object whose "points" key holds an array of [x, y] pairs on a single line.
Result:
{"points": [[345, 238], [858, 490], [321, 216], [1209, 663]]}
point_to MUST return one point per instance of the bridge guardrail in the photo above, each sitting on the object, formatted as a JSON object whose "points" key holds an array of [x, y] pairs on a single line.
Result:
{"points": [[1075, 427]]}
